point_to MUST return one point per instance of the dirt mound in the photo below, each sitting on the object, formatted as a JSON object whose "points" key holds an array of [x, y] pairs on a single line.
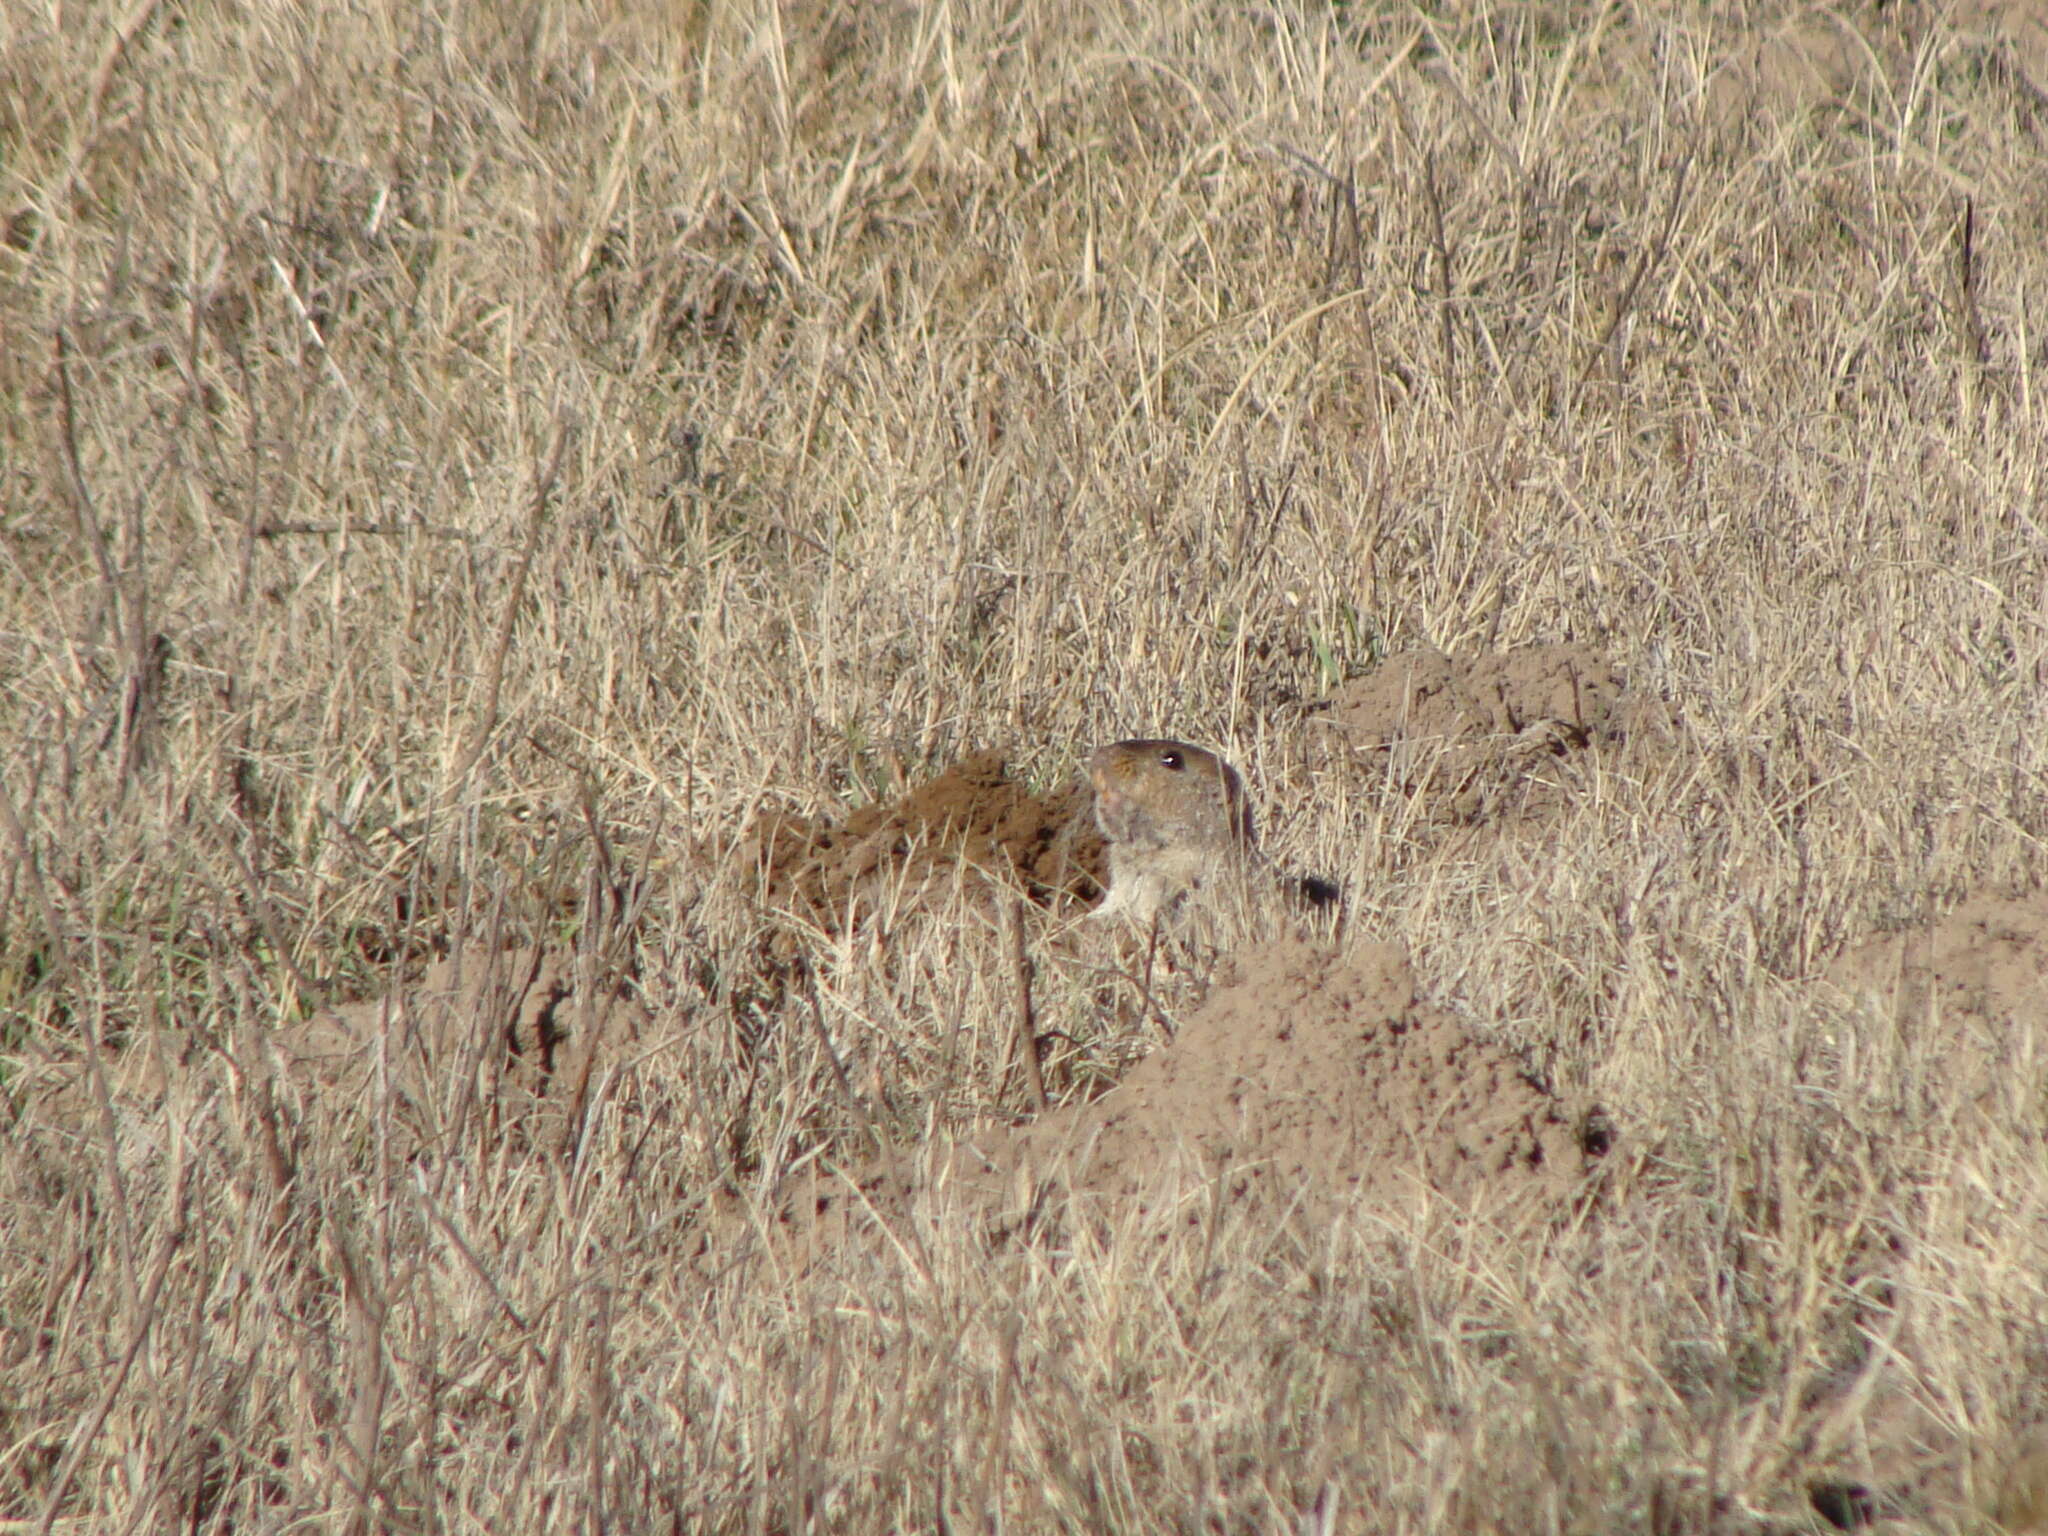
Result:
{"points": [[507, 1027], [1317, 1079], [1307, 1084], [1966, 1000], [1987, 959], [1542, 695], [972, 817], [1969, 991], [515, 1017], [1470, 725]]}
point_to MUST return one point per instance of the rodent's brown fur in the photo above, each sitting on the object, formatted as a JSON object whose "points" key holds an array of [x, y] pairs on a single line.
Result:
{"points": [[1175, 816]]}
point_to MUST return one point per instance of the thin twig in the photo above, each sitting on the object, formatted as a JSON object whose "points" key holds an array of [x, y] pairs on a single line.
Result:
{"points": [[1449, 81], [144, 1312], [253, 887], [854, 1106], [1653, 257], [1967, 257], [378, 530], [476, 1265], [1976, 351], [74, 476], [62, 963], [1447, 330], [25, 860], [494, 671], [312, 328], [1145, 985], [1020, 982]]}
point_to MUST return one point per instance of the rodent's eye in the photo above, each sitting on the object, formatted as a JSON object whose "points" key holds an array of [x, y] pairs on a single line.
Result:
{"points": [[1171, 759]]}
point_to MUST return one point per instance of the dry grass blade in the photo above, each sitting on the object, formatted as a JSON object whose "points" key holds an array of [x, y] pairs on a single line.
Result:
{"points": [[1027, 1042], [508, 615], [142, 1316], [558, 571], [1648, 261]]}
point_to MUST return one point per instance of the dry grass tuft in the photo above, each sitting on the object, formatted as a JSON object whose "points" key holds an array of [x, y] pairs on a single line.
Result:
{"points": [[463, 469]]}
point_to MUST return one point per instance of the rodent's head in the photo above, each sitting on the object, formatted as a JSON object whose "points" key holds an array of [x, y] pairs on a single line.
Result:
{"points": [[1157, 791]]}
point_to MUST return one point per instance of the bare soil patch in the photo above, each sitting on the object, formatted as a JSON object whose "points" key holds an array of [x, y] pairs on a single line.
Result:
{"points": [[972, 820], [1987, 960], [1307, 1085], [1967, 993], [506, 1034], [1317, 1082], [1468, 727]]}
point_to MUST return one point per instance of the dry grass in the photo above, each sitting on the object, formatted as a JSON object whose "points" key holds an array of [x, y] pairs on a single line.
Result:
{"points": [[418, 416]]}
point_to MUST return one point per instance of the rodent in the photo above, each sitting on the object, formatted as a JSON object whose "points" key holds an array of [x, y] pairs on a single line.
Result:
{"points": [[1175, 817]]}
